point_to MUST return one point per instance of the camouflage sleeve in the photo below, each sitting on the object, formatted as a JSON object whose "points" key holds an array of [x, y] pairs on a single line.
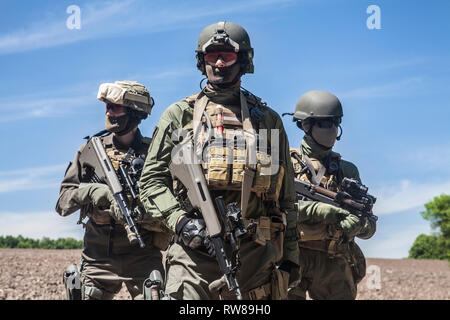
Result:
{"points": [[287, 197], [312, 212], [156, 182], [68, 201]]}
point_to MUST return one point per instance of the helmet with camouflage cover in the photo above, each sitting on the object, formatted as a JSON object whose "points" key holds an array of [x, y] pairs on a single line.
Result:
{"points": [[317, 104], [130, 94], [225, 35]]}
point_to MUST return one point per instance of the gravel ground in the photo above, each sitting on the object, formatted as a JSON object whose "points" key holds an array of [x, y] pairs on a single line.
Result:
{"points": [[32, 274]]}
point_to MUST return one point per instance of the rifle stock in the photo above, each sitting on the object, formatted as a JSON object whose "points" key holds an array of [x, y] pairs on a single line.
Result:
{"points": [[189, 173]]}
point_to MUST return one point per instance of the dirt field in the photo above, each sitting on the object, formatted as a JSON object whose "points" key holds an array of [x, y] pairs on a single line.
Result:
{"points": [[37, 274]]}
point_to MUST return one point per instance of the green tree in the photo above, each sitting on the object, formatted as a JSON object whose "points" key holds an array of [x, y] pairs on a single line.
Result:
{"points": [[436, 246], [44, 243]]}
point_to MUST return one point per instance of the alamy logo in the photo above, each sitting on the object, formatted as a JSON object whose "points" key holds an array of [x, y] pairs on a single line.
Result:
{"points": [[373, 281], [374, 20], [74, 20]]}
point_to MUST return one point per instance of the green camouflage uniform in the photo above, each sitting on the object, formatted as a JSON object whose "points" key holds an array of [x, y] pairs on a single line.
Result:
{"points": [[330, 267], [108, 259], [189, 272]]}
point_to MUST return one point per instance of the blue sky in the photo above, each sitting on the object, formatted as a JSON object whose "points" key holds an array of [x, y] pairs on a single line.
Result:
{"points": [[393, 84]]}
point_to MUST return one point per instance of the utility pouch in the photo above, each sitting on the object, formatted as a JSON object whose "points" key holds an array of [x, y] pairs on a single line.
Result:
{"points": [[276, 182], [100, 217], [277, 231], [279, 284], [238, 166], [261, 182], [259, 229], [161, 235], [219, 166], [309, 232], [358, 262]]}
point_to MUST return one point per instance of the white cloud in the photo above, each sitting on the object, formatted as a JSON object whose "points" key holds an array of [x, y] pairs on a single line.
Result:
{"points": [[31, 178], [111, 18], [70, 100], [40, 107], [37, 225], [395, 245], [392, 89], [44, 34], [407, 195]]}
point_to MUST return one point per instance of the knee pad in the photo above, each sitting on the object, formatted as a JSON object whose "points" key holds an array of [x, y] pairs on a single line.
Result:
{"points": [[71, 280]]}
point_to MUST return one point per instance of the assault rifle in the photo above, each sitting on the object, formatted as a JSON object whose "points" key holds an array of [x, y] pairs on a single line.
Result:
{"points": [[99, 168], [352, 197], [224, 225]]}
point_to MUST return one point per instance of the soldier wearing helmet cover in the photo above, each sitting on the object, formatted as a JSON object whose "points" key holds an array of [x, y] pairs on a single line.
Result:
{"points": [[108, 259], [224, 55], [331, 262]]}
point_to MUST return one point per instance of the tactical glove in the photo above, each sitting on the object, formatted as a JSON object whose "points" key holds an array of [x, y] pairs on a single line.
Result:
{"points": [[318, 212], [351, 226], [193, 234], [368, 228], [96, 193]]}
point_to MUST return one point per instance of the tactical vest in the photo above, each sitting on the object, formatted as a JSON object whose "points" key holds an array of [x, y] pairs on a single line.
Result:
{"points": [[226, 158], [326, 178], [329, 178]]}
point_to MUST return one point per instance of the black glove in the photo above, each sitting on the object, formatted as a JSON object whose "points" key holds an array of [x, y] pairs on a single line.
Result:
{"points": [[193, 234]]}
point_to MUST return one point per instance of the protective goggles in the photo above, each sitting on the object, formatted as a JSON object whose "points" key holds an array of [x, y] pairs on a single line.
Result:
{"points": [[113, 106], [228, 58], [327, 122]]}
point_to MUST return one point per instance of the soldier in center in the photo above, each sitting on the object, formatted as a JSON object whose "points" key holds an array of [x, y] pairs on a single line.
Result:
{"points": [[269, 251]]}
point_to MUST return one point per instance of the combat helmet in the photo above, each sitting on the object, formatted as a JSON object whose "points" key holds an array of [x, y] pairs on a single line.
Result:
{"points": [[229, 35], [130, 94], [317, 104]]}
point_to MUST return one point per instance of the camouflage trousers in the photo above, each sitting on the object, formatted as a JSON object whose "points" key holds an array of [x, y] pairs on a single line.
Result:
{"points": [[325, 277], [189, 273], [109, 260]]}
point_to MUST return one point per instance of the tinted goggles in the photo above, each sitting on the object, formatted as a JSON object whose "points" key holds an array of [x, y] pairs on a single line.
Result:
{"points": [[228, 57], [327, 122]]}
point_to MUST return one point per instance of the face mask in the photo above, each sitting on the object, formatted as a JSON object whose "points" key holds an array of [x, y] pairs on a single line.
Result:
{"points": [[116, 124], [223, 75], [325, 136]]}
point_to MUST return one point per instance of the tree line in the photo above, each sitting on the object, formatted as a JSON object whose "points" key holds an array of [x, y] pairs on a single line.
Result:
{"points": [[437, 245], [44, 243]]}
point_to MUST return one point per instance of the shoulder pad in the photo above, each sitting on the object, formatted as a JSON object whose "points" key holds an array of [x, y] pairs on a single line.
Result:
{"points": [[191, 99], [252, 99]]}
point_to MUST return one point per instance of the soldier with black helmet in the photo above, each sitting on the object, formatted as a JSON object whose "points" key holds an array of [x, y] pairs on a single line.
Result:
{"points": [[331, 262], [108, 259], [268, 253]]}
